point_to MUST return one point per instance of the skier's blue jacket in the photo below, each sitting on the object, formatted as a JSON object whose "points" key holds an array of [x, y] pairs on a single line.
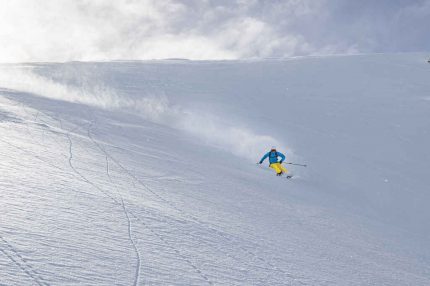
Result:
{"points": [[273, 157]]}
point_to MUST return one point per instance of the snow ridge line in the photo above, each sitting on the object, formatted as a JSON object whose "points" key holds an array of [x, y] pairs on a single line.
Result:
{"points": [[202, 224], [24, 266], [160, 237]]}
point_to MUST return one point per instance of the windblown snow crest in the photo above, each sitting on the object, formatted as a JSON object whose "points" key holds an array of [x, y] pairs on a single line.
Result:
{"points": [[209, 128]]}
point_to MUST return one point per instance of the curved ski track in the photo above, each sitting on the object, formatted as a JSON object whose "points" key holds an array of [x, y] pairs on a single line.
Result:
{"points": [[160, 237], [21, 263]]}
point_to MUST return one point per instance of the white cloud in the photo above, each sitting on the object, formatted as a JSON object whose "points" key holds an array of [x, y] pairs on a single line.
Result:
{"points": [[61, 30], [64, 30]]}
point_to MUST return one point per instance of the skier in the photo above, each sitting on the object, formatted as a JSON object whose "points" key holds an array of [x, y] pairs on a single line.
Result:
{"points": [[273, 161]]}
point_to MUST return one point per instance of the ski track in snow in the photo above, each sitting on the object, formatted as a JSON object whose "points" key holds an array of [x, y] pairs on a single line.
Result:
{"points": [[179, 254], [19, 261], [67, 134], [160, 237], [26, 267], [136, 250], [121, 203]]}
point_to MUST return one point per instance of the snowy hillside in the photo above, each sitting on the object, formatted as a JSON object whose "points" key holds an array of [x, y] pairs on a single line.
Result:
{"points": [[143, 173]]}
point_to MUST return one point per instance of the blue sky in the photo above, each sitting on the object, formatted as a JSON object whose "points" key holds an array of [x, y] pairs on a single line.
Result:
{"points": [[63, 30]]}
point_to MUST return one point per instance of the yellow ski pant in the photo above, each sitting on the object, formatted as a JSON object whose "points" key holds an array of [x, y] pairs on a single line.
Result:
{"points": [[278, 168]]}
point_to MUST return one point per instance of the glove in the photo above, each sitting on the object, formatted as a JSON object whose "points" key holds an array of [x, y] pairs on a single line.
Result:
{"points": [[280, 162]]}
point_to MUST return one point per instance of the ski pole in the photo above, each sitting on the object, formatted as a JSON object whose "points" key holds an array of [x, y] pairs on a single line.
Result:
{"points": [[303, 165]]}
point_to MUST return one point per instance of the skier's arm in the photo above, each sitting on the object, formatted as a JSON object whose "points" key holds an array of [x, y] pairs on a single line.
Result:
{"points": [[264, 158], [282, 157]]}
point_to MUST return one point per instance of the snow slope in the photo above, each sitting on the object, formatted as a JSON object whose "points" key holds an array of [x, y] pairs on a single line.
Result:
{"points": [[143, 173]]}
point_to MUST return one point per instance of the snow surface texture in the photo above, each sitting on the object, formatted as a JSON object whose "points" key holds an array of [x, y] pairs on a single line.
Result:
{"points": [[143, 173]]}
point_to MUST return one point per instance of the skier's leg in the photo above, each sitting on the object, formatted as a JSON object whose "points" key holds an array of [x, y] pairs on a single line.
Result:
{"points": [[273, 167], [283, 168], [276, 167]]}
